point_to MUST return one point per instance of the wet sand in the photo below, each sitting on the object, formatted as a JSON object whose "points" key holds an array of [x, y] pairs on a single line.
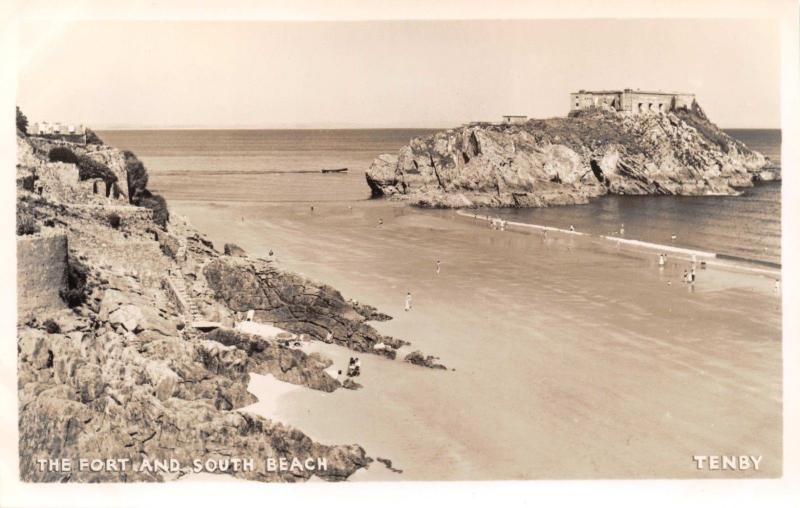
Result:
{"points": [[573, 358]]}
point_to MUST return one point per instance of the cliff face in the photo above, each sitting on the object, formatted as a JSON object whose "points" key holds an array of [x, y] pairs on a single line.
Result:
{"points": [[60, 181], [116, 370], [568, 160]]}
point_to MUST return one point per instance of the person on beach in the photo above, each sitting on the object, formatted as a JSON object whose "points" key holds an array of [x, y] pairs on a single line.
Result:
{"points": [[692, 276], [438, 266], [380, 223], [329, 337], [686, 276], [661, 260], [622, 229], [357, 369], [351, 365], [408, 301], [339, 375]]}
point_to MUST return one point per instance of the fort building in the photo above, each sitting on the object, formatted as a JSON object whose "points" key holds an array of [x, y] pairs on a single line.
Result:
{"points": [[514, 118], [633, 101]]}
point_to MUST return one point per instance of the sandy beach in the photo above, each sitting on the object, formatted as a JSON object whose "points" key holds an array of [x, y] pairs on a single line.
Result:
{"points": [[572, 357]]}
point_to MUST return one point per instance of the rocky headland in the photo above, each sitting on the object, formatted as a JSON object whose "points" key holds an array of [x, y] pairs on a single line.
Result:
{"points": [[129, 337], [564, 161]]}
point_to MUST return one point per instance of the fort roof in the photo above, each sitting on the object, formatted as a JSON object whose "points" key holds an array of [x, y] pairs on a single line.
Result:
{"points": [[629, 90]]}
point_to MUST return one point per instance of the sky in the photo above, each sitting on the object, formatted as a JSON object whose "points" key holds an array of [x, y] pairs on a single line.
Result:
{"points": [[234, 74]]}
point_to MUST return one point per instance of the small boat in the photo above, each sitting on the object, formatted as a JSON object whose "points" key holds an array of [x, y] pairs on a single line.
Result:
{"points": [[337, 170]]}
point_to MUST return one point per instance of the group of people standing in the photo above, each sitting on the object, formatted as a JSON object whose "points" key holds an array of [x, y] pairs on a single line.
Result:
{"points": [[354, 367], [689, 276], [498, 224]]}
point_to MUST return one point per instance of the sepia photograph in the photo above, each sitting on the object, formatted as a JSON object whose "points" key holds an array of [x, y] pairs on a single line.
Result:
{"points": [[399, 250]]}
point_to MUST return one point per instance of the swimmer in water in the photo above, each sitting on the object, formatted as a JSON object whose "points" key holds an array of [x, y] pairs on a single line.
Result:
{"points": [[571, 227]]}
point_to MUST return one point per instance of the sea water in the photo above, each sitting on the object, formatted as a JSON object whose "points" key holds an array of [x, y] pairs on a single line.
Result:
{"points": [[282, 166]]}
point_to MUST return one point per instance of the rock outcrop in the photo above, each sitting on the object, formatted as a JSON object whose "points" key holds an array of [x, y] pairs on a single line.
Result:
{"points": [[296, 304], [431, 362], [271, 357], [564, 161]]}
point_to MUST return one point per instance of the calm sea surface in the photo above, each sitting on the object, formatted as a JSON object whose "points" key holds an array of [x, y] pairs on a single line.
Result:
{"points": [[268, 166]]}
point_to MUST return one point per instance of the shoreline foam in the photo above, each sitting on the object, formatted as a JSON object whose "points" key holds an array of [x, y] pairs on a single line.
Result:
{"points": [[736, 262]]}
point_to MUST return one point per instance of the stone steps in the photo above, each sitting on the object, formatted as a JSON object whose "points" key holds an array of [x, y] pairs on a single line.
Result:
{"points": [[190, 306]]}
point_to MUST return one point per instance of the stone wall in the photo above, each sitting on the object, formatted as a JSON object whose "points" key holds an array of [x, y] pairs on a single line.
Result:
{"points": [[588, 100], [59, 181], [131, 216], [647, 102], [41, 272]]}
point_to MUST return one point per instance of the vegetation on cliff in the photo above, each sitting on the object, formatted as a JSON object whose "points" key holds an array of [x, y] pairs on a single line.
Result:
{"points": [[62, 154], [22, 121], [26, 225], [137, 176]]}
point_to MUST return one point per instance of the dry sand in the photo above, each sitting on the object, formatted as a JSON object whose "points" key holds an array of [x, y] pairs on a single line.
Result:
{"points": [[573, 357]]}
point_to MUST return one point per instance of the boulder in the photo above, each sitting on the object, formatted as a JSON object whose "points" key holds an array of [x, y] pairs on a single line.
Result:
{"points": [[231, 249], [163, 379], [417, 358], [129, 317]]}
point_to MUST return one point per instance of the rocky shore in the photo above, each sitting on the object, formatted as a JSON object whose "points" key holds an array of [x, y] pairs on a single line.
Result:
{"points": [[127, 339], [565, 161]]}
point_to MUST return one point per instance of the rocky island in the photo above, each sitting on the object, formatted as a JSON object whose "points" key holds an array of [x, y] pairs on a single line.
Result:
{"points": [[129, 338], [605, 148]]}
